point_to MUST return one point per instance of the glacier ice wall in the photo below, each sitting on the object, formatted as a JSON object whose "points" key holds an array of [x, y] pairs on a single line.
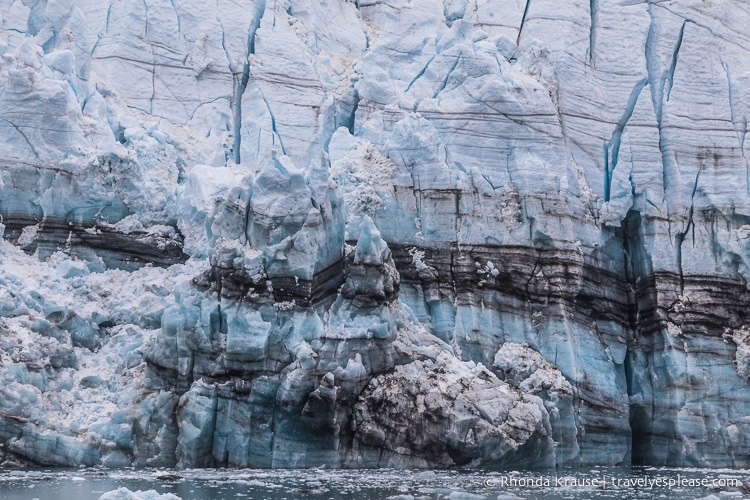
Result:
{"points": [[374, 233]]}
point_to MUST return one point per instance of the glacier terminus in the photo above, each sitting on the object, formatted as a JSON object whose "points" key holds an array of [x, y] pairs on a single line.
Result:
{"points": [[374, 233]]}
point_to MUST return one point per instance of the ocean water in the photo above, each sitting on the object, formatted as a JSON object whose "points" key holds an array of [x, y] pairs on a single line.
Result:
{"points": [[213, 484]]}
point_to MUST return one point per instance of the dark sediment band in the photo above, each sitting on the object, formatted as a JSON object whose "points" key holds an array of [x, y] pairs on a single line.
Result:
{"points": [[117, 250]]}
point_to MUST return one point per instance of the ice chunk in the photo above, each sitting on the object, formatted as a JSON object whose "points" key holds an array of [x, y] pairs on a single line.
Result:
{"points": [[71, 269], [126, 494], [370, 249]]}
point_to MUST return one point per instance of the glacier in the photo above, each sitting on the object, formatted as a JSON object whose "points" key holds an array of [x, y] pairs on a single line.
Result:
{"points": [[374, 233]]}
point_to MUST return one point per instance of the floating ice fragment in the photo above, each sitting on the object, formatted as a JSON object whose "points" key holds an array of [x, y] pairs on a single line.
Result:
{"points": [[463, 495], [126, 494]]}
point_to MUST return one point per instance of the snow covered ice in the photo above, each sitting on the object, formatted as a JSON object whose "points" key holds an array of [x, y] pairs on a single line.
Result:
{"points": [[397, 233]]}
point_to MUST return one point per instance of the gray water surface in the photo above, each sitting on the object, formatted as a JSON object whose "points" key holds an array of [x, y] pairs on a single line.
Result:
{"points": [[214, 484]]}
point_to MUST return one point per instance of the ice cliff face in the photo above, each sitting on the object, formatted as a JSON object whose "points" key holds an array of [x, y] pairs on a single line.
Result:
{"points": [[374, 233]]}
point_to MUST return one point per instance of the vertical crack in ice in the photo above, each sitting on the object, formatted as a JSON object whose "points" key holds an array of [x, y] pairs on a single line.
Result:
{"points": [[457, 211], [523, 20], [673, 66], [419, 75], [658, 78], [666, 165], [153, 62], [230, 63], [658, 99], [353, 114], [447, 77], [594, 15], [153, 85], [744, 157], [537, 265], [739, 125], [239, 90], [177, 15], [219, 316], [630, 175], [109, 14], [96, 45], [145, 7], [612, 148], [510, 152], [260, 9], [567, 140], [273, 122], [651, 67], [416, 188], [644, 320], [242, 78], [680, 236]]}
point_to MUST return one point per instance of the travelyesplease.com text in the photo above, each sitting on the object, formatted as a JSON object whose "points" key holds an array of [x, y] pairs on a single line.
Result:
{"points": [[605, 482]]}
